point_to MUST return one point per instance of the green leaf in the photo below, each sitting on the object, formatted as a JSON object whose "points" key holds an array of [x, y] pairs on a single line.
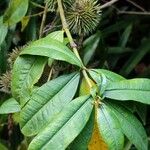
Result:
{"points": [[125, 36], [116, 27], [26, 72], [90, 46], [82, 140], [141, 110], [135, 58], [101, 81], [24, 22], [31, 29], [131, 126], [110, 76], [3, 147], [110, 128], [118, 50], [9, 106], [46, 102], [3, 57], [134, 89], [57, 35], [4, 30], [15, 12], [122, 44], [65, 127], [52, 48], [104, 77]]}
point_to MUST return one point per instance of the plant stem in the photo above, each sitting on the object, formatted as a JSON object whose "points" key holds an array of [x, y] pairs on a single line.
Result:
{"points": [[50, 74], [108, 4], [133, 12], [86, 78], [43, 20], [136, 5], [36, 5], [65, 27], [34, 15], [72, 43]]}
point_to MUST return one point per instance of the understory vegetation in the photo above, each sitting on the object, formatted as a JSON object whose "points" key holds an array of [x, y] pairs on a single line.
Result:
{"points": [[74, 75]]}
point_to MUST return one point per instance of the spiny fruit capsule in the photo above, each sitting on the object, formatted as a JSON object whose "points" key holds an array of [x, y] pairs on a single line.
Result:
{"points": [[52, 4], [83, 16]]}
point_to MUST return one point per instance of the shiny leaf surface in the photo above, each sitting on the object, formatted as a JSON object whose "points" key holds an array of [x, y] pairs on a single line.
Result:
{"points": [[65, 127], [52, 48], [46, 102], [15, 12], [9, 106], [131, 126], [26, 72], [110, 128], [134, 89]]}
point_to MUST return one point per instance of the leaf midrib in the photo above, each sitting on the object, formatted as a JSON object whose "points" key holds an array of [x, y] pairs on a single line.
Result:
{"points": [[107, 90], [69, 120], [59, 50], [48, 101], [109, 126], [26, 77], [9, 19], [108, 77], [128, 123]]}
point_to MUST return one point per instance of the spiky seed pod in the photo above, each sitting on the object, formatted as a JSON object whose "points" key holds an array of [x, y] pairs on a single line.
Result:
{"points": [[83, 16], [52, 4], [5, 81], [14, 54]]}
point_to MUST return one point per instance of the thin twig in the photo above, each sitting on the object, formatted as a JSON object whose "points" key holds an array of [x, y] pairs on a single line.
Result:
{"points": [[133, 12], [37, 5], [34, 15], [43, 20], [127, 12], [136, 5], [52, 24], [50, 74], [108, 4]]}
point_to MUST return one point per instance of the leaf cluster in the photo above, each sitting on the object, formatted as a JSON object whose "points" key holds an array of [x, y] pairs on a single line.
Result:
{"points": [[84, 105]]}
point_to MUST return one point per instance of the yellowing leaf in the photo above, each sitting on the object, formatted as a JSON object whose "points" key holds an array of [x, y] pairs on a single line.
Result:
{"points": [[24, 23], [110, 128], [16, 117], [84, 87], [15, 12], [97, 143]]}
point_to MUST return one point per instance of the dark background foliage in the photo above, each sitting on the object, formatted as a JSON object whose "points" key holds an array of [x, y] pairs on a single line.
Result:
{"points": [[123, 46]]}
